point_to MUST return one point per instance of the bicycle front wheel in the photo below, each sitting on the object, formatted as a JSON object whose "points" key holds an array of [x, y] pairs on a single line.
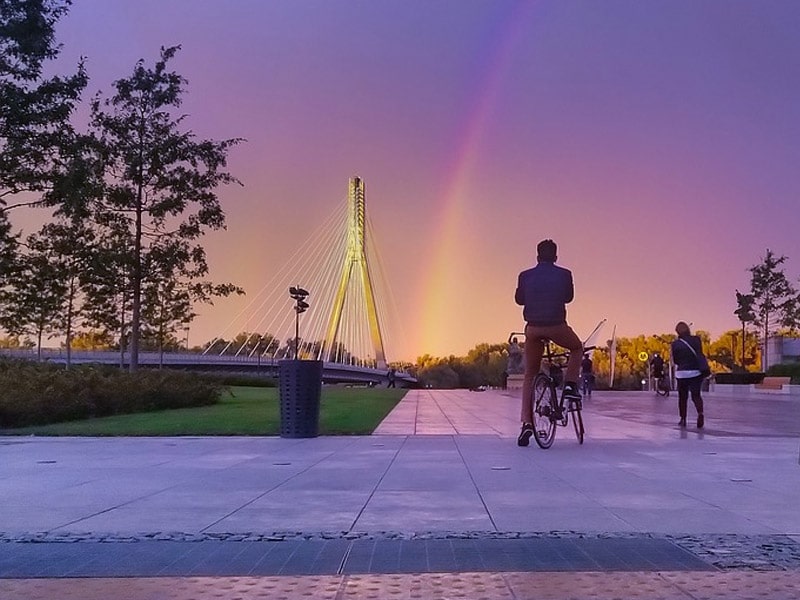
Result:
{"points": [[544, 418], [662, 387], [577, 422]]}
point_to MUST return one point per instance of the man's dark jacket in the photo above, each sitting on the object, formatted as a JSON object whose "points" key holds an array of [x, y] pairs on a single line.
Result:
{"points": [[544, 291]]}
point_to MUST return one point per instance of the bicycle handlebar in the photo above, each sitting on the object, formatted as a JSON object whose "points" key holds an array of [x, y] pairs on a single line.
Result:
{"points": [[551, 355], [548, 355]]}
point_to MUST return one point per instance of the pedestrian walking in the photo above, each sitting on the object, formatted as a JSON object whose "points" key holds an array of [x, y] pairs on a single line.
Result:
{"points": [[691, 367]]}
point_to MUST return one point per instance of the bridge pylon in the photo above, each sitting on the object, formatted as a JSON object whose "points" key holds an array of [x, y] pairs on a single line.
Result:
{"points": [[355, 265]]}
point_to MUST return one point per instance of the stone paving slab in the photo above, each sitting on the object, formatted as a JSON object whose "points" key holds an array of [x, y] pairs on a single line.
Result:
{"points": [[435, 586], [725, 495], [342, 556], [637, 472]]}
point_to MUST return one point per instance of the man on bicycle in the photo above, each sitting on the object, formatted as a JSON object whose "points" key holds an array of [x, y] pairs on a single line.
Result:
{"points": [[657, 368], [544, 291], [587, 375]]}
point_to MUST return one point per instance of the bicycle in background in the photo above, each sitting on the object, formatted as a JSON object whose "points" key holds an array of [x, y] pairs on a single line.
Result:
{"points": [[662, 385]]}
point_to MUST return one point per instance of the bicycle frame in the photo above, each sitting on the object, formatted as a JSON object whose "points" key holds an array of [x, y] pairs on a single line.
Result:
{"points": [[549, 412]]}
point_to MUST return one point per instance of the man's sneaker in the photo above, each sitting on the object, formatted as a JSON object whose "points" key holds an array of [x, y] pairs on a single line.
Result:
{"points": [[525, 435], [700, 421]]}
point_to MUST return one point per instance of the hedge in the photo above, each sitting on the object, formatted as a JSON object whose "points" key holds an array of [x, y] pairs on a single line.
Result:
{"points": [[37, 394], [739, 378]]}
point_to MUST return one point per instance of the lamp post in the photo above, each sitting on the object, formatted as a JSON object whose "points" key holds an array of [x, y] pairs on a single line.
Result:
{"points": [[299, 296], [300, 382]]}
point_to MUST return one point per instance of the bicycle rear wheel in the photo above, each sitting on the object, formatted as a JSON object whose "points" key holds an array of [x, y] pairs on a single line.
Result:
{"points": [[544, 421], [662, 386], [577, 422]]}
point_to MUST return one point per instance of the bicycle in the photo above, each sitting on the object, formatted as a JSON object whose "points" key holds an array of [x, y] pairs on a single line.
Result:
{"points": [[587, 384], [662, 385], [548, 408]]}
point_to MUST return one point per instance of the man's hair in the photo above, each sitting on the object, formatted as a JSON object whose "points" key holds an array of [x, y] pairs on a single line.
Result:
{"points": [[682, 328], [546, 251]]}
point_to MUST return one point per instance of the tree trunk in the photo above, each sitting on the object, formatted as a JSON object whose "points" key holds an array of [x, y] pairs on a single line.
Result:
{"points": [[70, 304], [744, 368], [39, 343], [122, 334], [764, 357], [136, 307]]}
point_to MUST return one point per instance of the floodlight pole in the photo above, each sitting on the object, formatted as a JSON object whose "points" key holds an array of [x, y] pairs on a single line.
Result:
{"points": [[299, 295], [296, 332]]}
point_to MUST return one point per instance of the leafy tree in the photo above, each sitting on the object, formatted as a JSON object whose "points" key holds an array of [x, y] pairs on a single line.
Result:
{"points": [[34, 110], [108, 287], [485, 364], [775, 301], [43, 291], [267, 345], [159, 183], [36, 293], [166, 308], [92, 340], [744, 310], [13, 342], [8, 246], [727, 352], [441, 376], [71, 243]]}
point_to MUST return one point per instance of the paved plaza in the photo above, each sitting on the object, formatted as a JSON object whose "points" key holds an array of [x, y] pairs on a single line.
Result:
{"points": [[438, 503]]}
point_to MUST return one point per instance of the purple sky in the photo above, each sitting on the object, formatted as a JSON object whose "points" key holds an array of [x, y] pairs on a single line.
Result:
{"points": [[658, 142]]}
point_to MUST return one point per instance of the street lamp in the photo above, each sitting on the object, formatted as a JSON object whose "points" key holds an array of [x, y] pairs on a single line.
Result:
{"points": [[299, 296]]}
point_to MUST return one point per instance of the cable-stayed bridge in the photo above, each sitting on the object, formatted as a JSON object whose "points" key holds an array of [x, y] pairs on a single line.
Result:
{"points": [[345, 325], [350, 299]]}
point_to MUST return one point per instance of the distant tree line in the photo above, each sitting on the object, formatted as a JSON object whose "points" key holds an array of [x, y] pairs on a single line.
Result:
{"points": [[771, 306], [125, 200]]}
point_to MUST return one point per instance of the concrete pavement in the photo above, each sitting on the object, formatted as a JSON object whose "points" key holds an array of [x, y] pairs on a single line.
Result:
{"points": [[444, 465]]}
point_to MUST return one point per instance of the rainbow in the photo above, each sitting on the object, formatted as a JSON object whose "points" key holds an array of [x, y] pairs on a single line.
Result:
{"points": [[436, 295]]}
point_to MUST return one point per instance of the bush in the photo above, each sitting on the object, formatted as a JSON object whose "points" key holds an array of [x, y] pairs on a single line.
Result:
{"points": [[787, 370], [37, 394], [739, 378]]}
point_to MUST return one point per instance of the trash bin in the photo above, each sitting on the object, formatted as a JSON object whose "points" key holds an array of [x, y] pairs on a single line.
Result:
{"points": [[300, 384]]}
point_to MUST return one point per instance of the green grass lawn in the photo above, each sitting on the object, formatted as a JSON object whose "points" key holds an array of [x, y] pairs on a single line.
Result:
{"points": [[243, 411]]}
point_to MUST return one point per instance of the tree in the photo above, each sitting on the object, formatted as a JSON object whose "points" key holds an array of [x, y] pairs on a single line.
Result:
{"points": [[440, 376], [774, 298], [92, 340], [108, 287], [159, 183], [727, 351], [13, 342], [744, 310], [34, 111], [36, 293]]}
